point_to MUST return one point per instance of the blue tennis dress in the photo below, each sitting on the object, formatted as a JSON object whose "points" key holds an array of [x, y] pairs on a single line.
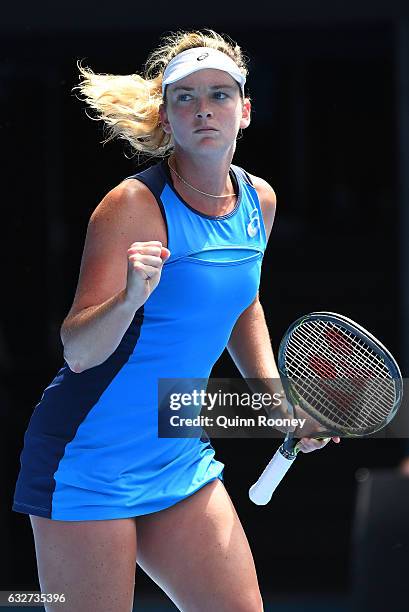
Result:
{"points": [[91, 449]]}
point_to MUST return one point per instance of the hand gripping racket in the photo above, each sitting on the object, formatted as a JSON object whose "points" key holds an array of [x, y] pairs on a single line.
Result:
{"points": [[341, 376]]}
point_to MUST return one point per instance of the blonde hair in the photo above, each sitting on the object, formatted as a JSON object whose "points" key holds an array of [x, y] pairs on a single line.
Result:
{"points": [[129, 104]]}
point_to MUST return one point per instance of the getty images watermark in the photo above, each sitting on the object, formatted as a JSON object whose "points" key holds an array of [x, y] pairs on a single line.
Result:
{"points": [[208, 401], [223, 408]]}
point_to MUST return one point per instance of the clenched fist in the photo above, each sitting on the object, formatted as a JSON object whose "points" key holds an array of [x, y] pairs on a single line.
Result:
{"points": [[145, 262]]}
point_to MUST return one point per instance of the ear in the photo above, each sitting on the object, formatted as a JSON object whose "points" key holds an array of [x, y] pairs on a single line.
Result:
{"points": [[246, 114], [164, 119]]}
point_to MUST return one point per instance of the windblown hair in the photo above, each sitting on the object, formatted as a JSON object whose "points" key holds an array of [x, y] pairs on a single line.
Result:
{"points": [[129, 104]]}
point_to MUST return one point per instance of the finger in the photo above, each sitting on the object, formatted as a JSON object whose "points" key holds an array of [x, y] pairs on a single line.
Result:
{"points": [[307, 445], [146, 250], [336, 439], [148, 260], [165, 253], [154, 243]]}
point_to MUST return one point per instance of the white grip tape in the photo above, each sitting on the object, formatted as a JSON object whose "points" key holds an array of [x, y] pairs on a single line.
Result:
{"points": [[261, 491]]}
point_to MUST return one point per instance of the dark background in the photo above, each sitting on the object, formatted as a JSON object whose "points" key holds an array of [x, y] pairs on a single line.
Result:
{"points": [[330, 132]]}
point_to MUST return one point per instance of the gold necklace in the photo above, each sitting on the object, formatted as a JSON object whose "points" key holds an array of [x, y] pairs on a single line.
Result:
{"points": [[194, 188]]}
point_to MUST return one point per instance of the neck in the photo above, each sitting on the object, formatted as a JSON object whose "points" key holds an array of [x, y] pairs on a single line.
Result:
{"points": [[203, 179], [199, 175]]}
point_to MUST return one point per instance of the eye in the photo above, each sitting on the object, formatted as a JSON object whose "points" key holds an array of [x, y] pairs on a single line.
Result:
{"points": [[220, 95], [184, 97]]}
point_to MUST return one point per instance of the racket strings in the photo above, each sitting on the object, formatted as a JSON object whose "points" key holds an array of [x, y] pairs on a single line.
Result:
{"points": [[343, 393], [363, 354], [329, 400], [339, 375], [341, 388], [333, 405]]}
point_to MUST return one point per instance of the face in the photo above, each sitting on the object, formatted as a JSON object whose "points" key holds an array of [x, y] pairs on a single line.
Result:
{"points": [[204, 111]]}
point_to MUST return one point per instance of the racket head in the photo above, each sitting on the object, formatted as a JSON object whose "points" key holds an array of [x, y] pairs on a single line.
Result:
{"points": [[327, 363]]}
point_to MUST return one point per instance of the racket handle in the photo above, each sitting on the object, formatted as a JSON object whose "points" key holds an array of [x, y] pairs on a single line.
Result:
{"points": [[260, 492]]}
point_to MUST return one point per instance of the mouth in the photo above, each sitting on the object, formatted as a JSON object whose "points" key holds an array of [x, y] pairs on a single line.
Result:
{"points": [[204, 130]]}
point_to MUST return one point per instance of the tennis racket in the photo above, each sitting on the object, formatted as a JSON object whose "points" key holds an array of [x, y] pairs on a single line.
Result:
{"points": [[341, 376]]}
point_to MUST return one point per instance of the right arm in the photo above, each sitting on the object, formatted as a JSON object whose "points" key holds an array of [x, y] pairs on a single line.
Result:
{"points": [[123, 247]]}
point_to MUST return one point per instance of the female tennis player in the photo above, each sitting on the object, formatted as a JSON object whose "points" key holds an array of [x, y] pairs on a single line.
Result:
{"points": [[169, 278]]}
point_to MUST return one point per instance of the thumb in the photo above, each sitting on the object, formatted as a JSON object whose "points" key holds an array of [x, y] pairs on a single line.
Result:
{"points": [[165, 253]]}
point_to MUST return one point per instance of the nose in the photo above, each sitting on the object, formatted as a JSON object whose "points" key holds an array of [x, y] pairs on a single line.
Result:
{"points": [[203, 110]]}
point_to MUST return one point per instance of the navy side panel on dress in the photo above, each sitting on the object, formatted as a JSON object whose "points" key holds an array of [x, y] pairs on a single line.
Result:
{"points": [[55, 421]]}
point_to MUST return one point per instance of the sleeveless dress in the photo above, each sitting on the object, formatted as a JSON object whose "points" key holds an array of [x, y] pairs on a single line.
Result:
{"points": [[91, 448]]}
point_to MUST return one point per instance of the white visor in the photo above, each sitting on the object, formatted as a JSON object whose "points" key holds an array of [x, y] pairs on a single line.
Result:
{"points": [[200, 58]]}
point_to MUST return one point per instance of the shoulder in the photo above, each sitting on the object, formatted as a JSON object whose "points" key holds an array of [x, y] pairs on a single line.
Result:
{"points": [[135, 193], [127, 207], [267, 199], [124, 198]]}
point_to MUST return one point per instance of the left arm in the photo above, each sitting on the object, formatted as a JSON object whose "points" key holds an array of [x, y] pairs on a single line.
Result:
{"points": [[249, 345]]}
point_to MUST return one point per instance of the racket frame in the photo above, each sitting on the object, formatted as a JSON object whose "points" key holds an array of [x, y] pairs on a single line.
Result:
{"points": [[294, 398]]}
